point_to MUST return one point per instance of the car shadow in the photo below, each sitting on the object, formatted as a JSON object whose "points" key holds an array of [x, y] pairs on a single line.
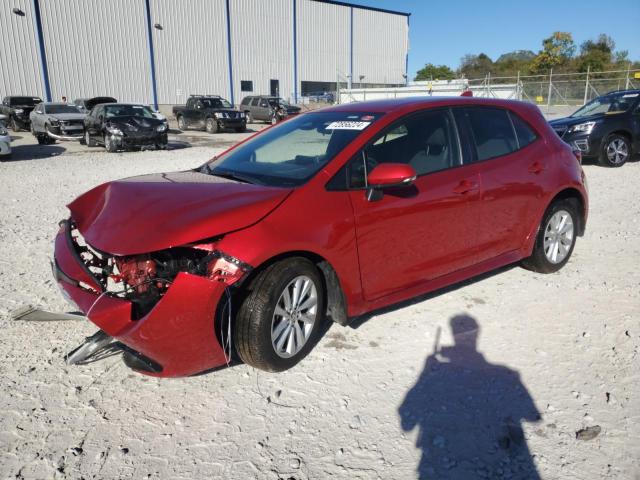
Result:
{"points": [[34, 152], [469, 413], [357, 322]]}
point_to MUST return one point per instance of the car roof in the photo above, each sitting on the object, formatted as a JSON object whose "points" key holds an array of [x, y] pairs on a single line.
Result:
{"points": [[47, 104], [618, 92], [394, 104]]}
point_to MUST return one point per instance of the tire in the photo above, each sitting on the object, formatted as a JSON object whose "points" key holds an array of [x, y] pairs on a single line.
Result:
{"points": [[14, 125], [558, 245], [211, 126], [247, 115], [274, 119], [257, 319], [241, 129], [615, 152], [89, 142], [42, 139], [181, 123], [109, 145]]}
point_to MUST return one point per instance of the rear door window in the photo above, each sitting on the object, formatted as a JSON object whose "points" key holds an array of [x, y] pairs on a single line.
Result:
{"points": [[492, 131]]}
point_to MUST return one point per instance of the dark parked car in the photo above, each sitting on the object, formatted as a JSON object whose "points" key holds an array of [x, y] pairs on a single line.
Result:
{"points": [[328, 215], [267, 109], [210, 112], [121, 126], [606, 128], [17, 110], [86, 104], [57, 121]]}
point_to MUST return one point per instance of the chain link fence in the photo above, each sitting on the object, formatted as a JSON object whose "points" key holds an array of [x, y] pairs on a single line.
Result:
{"points": [[561, 89]]}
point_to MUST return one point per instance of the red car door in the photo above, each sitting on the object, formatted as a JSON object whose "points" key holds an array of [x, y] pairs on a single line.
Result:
{"points": [[511, 163], [420, 232]]}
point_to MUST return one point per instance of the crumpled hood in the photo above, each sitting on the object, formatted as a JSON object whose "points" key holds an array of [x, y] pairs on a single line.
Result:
{"points": [[133, 123], [154, 212]]}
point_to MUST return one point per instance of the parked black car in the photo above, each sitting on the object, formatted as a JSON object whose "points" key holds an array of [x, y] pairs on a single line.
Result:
{"points": [[210, 112], [267, 109], [121, 126], [607, 128], [86, 104], [17, 110]]}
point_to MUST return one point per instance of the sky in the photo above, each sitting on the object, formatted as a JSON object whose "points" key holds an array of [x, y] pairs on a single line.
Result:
{"points": [[441, 32]]}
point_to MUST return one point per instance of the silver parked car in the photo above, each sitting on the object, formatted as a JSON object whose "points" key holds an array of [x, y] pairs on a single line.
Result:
{"points": [[57, 121], [5, 139]]}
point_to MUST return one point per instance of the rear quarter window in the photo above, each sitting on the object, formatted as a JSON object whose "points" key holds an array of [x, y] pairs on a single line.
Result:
{"points": [[524, 132]]}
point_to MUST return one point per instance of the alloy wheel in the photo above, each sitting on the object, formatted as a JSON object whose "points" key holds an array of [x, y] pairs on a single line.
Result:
{"points": [[558, 236], [294, 317], [617, 151]]}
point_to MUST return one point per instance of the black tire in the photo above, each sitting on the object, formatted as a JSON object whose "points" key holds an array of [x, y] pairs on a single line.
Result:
{"points": [[89, 142], [241, 129], [14, 125], [615, 142], [42, 139], [538, 261], [253, 323], [182, 125], [211, 125], [247, 115], [109, 144]]}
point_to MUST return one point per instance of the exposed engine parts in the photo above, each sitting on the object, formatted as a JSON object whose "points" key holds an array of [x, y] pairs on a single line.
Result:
{"points": [[144, 279]]}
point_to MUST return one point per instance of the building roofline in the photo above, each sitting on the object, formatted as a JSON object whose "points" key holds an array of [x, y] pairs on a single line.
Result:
{"points": [[363, 7]]}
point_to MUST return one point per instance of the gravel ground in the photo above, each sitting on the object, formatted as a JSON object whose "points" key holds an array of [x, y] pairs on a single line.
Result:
{"points": [[552, 384]]}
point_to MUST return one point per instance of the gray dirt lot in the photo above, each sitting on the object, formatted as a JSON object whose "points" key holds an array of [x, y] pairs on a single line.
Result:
{"points": [[369, 401]]}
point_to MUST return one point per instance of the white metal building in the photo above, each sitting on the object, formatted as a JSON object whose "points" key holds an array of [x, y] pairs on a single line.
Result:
{"points": [[161, 51]]}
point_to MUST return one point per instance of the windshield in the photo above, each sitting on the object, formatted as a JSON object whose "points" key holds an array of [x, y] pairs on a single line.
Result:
{"points": [[291, 153], [127, 111], [216, 103], [30, 101], [616, 103], [274, 102], [61, 109]]}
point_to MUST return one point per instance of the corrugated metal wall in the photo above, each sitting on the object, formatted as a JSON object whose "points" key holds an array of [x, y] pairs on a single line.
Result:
{"points": [[191, 48], [100, 47], [323, 41], [262, 45], [97, 47], [19, 65], [380, 43]]}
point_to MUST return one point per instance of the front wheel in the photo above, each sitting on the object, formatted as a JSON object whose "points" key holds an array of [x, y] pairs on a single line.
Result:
{"points": [[555, 239], [615, 151], [88, 141], [211, 126], [279, 321], [109, 144]]}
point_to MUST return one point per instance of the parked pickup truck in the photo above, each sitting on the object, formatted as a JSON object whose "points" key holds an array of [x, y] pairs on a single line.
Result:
{"points": [[17, 110], [210, 112]]}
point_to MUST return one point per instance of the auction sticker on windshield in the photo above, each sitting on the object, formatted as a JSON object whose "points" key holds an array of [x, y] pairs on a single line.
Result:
{"points": [[344, 125]]}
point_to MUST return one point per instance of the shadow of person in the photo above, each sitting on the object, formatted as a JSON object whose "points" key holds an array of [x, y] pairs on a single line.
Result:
{"points": [[469, 413]]}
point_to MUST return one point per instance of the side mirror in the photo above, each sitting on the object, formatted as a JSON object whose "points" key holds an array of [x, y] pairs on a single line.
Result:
{"points": [[389, 175]]}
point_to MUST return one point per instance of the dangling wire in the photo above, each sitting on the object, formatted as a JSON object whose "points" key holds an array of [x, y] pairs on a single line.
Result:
{"points": [[226, 343]]}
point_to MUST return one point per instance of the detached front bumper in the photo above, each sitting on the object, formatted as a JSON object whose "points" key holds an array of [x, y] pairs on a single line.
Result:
{"points": [[66, 132], [153, 140], [178, 334]]}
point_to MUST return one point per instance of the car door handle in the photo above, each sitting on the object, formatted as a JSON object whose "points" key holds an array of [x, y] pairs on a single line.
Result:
{"points": [[536, 167], [465, 186]]}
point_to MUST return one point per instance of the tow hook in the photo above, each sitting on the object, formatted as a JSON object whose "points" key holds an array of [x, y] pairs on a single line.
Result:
{"points": [[97, 346]]}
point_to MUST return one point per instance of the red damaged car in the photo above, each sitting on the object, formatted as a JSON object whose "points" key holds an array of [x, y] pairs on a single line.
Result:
{"points": [[329, 215]]}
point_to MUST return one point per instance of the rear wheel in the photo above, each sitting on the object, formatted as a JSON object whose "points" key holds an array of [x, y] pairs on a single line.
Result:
{"points": [[182, 125], [89, 142], [556, 238], [279, 321], [247, 115], [615, 151]]}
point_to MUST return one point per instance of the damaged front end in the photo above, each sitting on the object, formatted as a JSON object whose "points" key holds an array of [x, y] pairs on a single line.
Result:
{"points": [[157, 308]]}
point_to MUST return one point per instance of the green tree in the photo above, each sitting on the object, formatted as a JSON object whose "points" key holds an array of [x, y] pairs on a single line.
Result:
{"points": [[557, 50], [435, 72], [475, 66], [596, 54]]}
